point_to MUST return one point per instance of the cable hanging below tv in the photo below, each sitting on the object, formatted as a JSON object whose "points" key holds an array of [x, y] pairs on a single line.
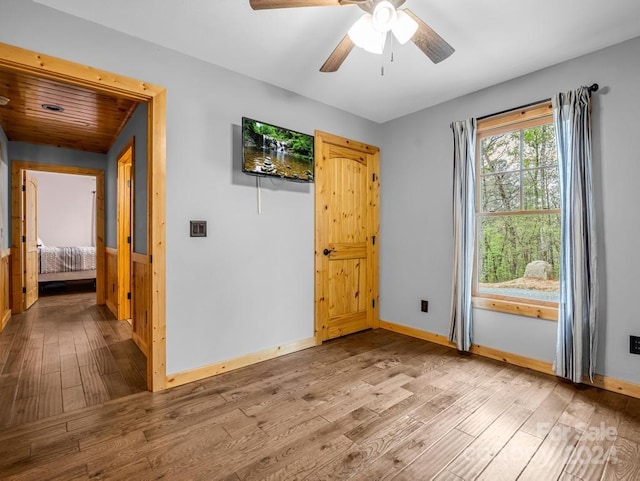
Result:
{"points": [[272, 151]]}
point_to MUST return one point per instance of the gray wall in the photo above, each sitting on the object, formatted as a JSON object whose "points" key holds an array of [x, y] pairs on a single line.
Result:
{"points": [[248, 285], [416, 218], [135, 127], [4, 190]]}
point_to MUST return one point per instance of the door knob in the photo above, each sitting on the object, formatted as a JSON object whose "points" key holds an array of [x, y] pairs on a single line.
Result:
{"points": [[326, 252]]}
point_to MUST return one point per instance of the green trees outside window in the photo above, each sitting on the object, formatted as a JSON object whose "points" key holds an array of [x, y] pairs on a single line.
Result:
{"points": [[518, 216]]}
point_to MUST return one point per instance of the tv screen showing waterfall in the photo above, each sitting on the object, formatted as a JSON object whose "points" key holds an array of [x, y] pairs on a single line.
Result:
{"points": [[272, 151]]}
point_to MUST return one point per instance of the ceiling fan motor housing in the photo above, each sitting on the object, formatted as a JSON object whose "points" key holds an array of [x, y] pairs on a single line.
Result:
{"points": [[370, 31], [370, 5], [384, 16]]}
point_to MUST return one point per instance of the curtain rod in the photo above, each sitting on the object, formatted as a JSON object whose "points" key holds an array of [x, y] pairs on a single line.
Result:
{"points": [[592, 88]]}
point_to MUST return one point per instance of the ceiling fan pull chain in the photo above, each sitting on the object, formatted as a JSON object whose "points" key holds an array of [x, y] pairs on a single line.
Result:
{"points": [[382, 40], [391, 37]]}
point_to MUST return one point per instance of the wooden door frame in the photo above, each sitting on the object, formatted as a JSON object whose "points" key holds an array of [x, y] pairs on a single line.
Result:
{"points": [[44, 66], [17, 268], [373, 226], [124, 222]]}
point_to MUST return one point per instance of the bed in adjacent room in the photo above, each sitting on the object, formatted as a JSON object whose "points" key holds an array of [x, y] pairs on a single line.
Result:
{"points": [[66, 263]]}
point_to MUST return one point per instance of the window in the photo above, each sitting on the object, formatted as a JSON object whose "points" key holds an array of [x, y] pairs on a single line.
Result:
{"points": [[518, 213]]}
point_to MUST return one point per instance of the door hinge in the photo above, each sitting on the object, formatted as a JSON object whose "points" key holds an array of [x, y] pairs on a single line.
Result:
{"points": [[24, 188], [373, 239], [150, 259], [373, 303], [24, 239], [373, 177], [129, 240], [129, 295], [24, 290], [128, 183]]}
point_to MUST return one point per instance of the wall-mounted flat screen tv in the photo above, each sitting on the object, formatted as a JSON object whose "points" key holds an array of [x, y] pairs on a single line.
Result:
{"points": [[272, 151]]}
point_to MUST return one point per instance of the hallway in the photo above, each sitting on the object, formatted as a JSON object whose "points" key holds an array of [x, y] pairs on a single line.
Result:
{"points": [[63, 354]]}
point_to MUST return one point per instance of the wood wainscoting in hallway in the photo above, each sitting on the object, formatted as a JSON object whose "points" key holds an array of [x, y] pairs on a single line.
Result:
{"points": [[371, 406], [63, 354]]}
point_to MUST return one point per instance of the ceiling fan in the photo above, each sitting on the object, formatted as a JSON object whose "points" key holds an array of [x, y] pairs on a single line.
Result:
{"points": [[371, 30]]}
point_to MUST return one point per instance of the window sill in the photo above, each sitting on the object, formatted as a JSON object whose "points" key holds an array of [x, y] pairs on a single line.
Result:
{"points": [[545, 311]]}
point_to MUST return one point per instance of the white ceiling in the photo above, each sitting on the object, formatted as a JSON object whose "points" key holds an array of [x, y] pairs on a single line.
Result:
{"points": [[495, 40]]}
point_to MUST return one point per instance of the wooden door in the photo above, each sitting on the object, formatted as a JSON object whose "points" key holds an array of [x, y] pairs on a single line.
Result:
{"points": [[346, 256], [125, 234], [5, 263], [30, 239]]}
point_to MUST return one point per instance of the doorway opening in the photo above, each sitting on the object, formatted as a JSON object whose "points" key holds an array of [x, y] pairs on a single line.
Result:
{"points": [[152, 283], [66, 232], [26, 266]]}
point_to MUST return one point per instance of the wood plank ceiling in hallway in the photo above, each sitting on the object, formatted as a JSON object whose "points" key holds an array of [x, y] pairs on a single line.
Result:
{"points": [[89, 121]]}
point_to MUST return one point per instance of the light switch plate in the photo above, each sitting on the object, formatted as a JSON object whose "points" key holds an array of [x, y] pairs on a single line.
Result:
{"points": [[198, 228]]}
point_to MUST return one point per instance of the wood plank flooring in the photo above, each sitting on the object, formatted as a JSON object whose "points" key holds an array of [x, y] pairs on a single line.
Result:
{"points": [[371, 406], [63, 354]]}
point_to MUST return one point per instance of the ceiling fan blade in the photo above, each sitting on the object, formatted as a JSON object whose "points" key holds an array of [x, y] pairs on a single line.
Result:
{"points": [[269, 4], [338, 55], [427, 40]]}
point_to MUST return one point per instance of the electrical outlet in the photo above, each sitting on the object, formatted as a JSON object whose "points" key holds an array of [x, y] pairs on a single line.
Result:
{"points": [[634, 344], [424, 306]]}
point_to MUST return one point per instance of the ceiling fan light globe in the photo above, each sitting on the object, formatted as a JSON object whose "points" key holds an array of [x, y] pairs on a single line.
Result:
{"points": [[376, 45], [364, 35], [405, 28], [384, 16], [362, 31]]}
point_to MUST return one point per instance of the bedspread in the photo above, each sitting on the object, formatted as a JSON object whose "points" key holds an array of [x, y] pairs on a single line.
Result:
{"points": [[66, 259]]}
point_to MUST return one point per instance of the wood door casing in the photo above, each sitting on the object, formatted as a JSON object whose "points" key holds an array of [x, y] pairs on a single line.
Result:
{"points": [[30, 238], [347, 193], [125, 231]]}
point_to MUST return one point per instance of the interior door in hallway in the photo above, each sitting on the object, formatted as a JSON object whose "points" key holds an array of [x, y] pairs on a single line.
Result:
{"points": [[30, 238], [125, 231], [346, 257]]}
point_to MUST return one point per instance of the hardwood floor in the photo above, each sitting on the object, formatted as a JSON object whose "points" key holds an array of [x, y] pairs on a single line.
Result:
{"points": [[63, 354], [374, 405]]}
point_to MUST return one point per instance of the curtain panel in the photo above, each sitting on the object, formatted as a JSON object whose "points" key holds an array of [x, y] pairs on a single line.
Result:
{"points": [[577, 307], [464, 210]]}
